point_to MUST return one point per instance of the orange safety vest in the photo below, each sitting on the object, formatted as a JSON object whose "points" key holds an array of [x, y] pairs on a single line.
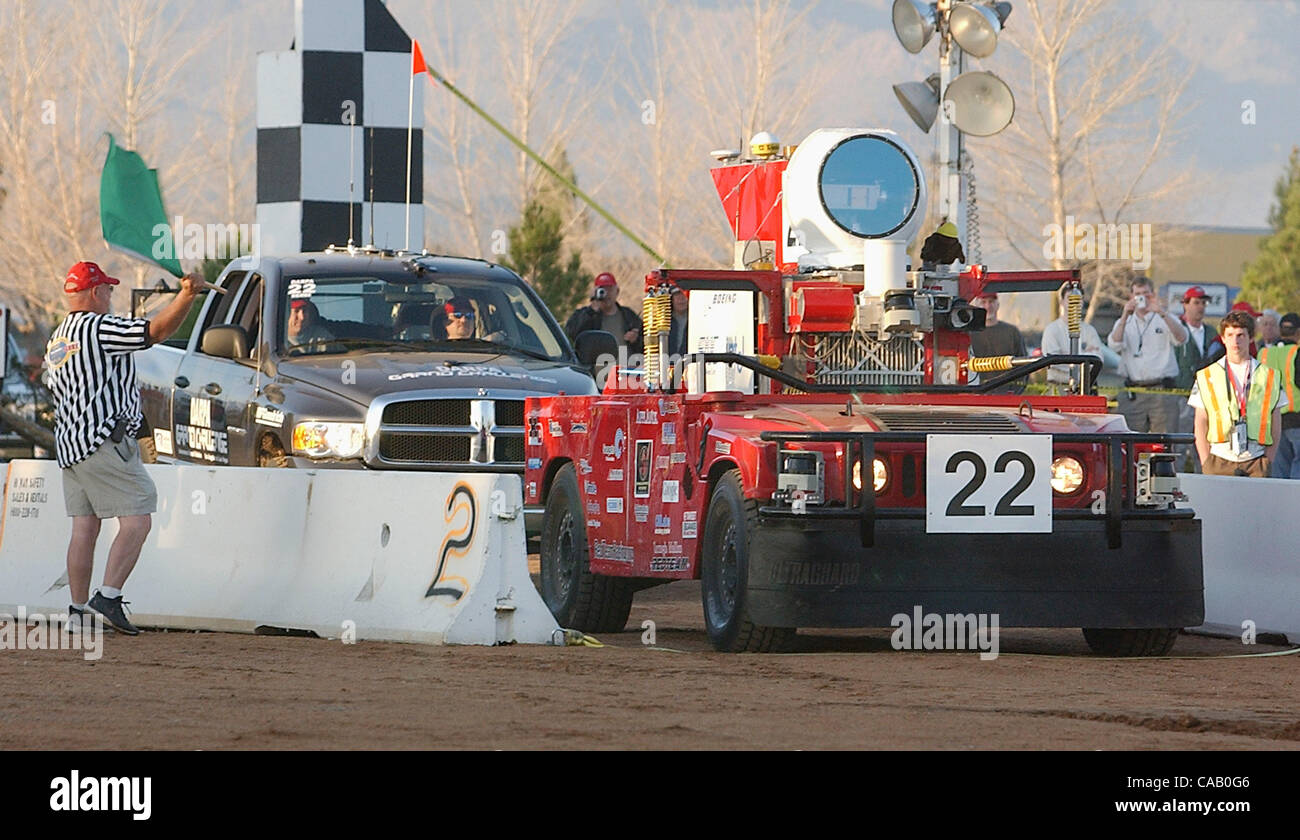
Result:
{"points": [[1281, 357], [1265, 391]]}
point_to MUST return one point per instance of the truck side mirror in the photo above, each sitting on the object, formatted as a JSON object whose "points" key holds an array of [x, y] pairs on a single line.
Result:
{"points": [[592, 344], [228, 341]]}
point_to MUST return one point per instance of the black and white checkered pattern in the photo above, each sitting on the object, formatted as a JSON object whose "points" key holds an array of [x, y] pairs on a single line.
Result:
{"points": [[350, 59], [91, 364]]}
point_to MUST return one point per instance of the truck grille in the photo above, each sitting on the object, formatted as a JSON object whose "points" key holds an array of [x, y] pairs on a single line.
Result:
{"points": [[855, 359], [428, 413], [450, 432], [946, 421]]}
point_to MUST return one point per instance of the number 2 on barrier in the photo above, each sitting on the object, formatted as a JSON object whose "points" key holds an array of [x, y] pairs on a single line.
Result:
{"points": [[456, 542]]}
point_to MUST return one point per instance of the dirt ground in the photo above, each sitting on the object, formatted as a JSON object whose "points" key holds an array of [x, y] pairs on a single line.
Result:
{"points": [[179, 690]]}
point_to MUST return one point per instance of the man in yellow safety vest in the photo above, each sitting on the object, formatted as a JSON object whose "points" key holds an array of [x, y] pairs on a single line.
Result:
{"points": [[1285, 358], [1238, 406]]}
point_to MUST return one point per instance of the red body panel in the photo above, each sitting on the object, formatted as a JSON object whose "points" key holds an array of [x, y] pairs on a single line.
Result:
{"points": [[644, 460]]}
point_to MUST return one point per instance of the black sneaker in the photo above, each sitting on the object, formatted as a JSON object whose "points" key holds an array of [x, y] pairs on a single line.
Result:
{"points": [[114, 613], [77, 619]]}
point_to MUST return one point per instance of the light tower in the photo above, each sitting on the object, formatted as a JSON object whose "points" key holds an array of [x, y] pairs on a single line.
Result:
{"points": [[976, 102]]}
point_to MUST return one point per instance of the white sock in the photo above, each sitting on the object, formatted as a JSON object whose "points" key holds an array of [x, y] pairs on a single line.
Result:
{"points": [[110, 592], [81, 607]]}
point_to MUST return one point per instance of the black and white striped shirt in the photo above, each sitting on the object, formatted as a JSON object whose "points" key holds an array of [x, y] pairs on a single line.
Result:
{"points": [[92, 377]]}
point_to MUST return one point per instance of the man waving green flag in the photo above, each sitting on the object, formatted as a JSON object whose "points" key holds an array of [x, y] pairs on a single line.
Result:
{"points": [[131, 209]]}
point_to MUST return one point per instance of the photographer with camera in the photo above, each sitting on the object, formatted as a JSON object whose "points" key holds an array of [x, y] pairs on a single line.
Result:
{"points": [[604, 313], [97, 413], [1145, 337]]}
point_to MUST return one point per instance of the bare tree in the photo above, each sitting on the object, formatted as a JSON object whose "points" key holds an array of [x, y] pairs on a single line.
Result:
{"points": [[1098, 112], [453, 134], [59, 100]]}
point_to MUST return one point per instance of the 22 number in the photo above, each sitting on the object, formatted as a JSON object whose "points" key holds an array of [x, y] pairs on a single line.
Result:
{"points": [[958, 506]]}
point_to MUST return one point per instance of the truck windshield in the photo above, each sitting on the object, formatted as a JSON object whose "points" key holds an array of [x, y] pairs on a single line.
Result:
{"points": [[340, 314]]}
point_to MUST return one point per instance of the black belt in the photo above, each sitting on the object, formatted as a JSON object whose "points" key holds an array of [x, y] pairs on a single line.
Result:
{"points": [[1154, 383]]}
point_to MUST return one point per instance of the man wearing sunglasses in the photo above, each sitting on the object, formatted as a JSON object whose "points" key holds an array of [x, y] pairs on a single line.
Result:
{"points": [[456, 320]]}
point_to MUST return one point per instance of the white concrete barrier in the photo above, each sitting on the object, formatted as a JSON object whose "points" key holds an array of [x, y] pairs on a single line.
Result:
{"points": [[400, 556], [1250, 542]]}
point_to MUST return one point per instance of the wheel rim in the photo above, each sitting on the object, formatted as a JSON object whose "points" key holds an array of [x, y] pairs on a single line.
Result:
{"points": [[728, 572], [566, 564], [724, 577]]}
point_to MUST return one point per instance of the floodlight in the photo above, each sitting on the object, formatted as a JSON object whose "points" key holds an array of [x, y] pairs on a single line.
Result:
{"points": [[920, 100], [974, 26], [913, 23], [982, 103]]}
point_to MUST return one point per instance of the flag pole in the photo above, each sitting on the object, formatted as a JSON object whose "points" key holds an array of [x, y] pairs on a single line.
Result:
{"points": [[435, 76], [410, 106]]}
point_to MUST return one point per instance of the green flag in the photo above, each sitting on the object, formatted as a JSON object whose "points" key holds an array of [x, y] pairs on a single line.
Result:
{"points": [[131, 210]]}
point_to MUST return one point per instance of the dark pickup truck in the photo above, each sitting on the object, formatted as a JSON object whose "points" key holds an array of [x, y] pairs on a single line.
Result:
{"points": [[349, 358]]}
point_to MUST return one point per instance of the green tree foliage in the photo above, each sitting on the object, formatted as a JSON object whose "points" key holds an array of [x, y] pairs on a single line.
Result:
{"points": [[537, 254], [1273, 279], [538, 248]]}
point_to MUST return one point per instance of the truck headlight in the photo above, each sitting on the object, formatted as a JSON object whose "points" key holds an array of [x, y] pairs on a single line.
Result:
{"points": [[329, 440], [1067, 475], [879, 475]]}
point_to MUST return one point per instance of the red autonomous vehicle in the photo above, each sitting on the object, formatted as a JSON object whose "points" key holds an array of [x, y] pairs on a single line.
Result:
{"points": [[828, 453]]}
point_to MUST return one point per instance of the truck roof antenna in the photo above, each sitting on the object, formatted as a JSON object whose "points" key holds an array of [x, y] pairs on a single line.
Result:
{"points": [[372, 186], [352, 133]]}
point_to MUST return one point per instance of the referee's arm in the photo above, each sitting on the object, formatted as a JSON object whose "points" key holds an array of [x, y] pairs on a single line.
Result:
{"points": [[170, 319]]}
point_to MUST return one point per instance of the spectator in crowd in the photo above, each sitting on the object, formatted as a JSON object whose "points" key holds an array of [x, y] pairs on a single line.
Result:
{"points": [[1244, 306], [1056, 341], [678, 331], [998, 338], [1200, 349], [1268, 327], [1202, 339], [605, 313], [1238, 406], [1145, 337], [1285, 358]]}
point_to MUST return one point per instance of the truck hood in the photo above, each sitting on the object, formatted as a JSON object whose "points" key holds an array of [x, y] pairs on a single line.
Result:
{"points": [[948, 419], [361, 376]]}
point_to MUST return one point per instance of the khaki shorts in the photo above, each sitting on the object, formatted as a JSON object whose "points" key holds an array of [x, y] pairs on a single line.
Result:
{"points": [[110, 483]]}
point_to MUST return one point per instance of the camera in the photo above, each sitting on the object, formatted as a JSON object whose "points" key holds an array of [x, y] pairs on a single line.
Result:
{"points": [[601, 293], [1140, 301]]}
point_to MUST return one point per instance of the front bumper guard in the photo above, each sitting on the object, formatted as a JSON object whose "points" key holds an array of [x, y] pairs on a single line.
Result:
{"points": [[862, 446]]}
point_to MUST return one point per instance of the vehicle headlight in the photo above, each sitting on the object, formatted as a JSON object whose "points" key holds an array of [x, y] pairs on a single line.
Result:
{"points": [[1067, 475], [879, 475], [329, 440]]}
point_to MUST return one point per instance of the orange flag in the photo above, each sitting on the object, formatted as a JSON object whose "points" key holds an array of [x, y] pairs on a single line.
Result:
{"points": [[417, 59]]}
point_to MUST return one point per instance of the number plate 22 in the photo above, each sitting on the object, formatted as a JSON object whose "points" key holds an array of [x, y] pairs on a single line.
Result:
{"points": [[988, 484]]}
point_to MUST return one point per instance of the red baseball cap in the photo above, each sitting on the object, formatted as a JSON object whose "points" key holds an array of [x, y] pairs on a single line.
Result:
{"points": [[1193, 293], [605, 279], [86, 275], [1244, 306]]}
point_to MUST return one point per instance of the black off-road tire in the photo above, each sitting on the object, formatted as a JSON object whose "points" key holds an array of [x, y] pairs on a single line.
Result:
{"points": [[576, 597], [729, 529], [1156, 641]]}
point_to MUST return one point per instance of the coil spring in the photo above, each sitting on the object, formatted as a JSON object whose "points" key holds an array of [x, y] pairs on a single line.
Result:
{"points": [[1073, 311], [656, 319], [975, 247], [988, 364]]}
